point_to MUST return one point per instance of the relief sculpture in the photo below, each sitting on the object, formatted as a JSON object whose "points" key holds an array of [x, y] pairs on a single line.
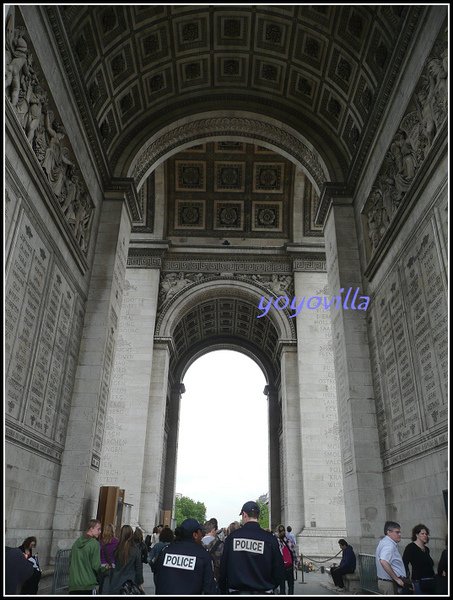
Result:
{"points": [[411, 144], [45, 133]]}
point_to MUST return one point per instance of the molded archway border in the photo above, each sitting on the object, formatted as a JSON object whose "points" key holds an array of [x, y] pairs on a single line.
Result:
{"points": [[232, 125], [220, 288]]}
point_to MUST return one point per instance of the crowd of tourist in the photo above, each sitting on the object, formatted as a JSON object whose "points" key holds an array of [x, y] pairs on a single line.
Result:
{"points": [[240, 559]]}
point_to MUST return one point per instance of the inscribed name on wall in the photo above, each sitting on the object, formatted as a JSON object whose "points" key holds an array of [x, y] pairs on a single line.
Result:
{"points": [[409, 345], [43, 320]]}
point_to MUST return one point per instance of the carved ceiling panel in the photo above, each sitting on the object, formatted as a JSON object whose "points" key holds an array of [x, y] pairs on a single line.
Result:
{"points": [[230, 188], [323, 66], [225, 318]]}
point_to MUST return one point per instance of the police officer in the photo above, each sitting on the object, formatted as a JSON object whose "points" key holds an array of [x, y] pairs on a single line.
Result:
{"points": [[184, 567], [251, 562]]}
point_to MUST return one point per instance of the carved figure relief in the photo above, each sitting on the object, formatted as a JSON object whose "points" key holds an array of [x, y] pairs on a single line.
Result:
{"points": [[277, 284], [45, 133], [172, 283], [424, 117]]}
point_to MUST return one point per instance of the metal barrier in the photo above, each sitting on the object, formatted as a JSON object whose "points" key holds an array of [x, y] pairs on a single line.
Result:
{"points": [[61, 573], [367, 573]]}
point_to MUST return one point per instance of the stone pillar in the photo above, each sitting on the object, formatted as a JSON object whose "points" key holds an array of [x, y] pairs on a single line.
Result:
{"points": [[160, 199], [155, 437], [362, 466], [291, 463], [275, 423], [298, 205], [322, 512], [125, 433], [172, 427], [79, 480]]}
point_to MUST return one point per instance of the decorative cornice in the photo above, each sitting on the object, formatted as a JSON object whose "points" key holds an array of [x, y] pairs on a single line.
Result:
{"points": [[145, 258], [127, 186], [228, 127], [329, 192], [310, 263], [230, 265], [165, 342]]}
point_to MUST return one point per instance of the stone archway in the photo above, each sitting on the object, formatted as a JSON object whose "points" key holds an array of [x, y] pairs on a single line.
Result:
{"points": [[219, 448], [229, 276], [216, 313], [221, 313], [239, 125]]}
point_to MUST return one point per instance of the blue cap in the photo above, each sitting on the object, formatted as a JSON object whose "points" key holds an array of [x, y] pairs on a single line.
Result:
{"points": [[191, 525], [249, 507]]}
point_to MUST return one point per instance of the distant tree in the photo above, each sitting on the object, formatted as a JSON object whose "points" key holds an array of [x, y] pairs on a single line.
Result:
{"points": [[186, 508], [264, 514]]}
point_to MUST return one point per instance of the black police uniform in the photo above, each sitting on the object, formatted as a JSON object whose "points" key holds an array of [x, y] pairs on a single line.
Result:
{"points": [[184, 568], [251, 561]]}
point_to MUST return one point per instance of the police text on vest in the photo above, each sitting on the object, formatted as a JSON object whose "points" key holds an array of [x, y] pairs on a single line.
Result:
{"points": [[179, 561], [243, 545]]}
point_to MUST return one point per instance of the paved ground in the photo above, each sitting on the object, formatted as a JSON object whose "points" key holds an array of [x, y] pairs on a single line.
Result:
{"points": [[315, 584]]}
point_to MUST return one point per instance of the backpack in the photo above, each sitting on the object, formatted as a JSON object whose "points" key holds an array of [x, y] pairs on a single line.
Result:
{"points": [[215, 550], [287, 557], [153, 562]]}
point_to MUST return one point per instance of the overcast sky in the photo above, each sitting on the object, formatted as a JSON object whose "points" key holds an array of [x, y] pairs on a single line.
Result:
{"points": [[223, 434]]}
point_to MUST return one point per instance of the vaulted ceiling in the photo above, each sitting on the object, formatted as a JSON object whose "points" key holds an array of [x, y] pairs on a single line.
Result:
{"points": [[325, 70], [225, 319]]}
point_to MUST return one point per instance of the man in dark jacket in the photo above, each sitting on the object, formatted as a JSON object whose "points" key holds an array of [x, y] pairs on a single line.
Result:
{"points": [[18, 570], [184, 567], [347, 564], [85, 562], [251, 561]]}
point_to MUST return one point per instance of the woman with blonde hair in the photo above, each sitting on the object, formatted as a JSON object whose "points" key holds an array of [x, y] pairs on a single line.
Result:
{"points": [[232, 527], [128, 564], [109, 544]]}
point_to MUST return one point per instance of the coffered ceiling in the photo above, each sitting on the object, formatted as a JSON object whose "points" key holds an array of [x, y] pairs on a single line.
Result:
{"points": [[324, 70], [225, 319]]}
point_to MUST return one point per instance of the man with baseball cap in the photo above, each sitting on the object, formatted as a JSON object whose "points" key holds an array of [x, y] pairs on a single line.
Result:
{"points": [[251, 562], [184, 567]]}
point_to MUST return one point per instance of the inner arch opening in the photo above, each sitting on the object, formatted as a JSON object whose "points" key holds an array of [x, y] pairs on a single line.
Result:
{"points": [[223, 443]]}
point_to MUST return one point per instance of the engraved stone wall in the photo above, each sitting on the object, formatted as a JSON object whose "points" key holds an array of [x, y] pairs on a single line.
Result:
{"points": [[126, 414], [410, 345], [324, 517], [44, 312], [43, 319]]}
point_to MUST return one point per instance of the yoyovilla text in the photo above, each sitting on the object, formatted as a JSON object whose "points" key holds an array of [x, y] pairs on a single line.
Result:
{"points": [[346, 302]]}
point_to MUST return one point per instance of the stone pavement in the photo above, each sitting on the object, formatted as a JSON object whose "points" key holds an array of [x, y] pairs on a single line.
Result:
{"points": [[315, 584]]}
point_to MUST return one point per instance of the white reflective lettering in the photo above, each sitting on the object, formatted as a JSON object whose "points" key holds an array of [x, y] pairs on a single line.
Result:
{"points": [[180, 561], [244, 545]]}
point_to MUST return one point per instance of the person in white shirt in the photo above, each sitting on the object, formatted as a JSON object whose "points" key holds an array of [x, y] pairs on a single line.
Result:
{"points": [[390, 568], [290, 535]]}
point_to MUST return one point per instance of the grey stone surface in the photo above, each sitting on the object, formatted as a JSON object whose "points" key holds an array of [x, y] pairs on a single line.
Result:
{"points": [[359, 405]]}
